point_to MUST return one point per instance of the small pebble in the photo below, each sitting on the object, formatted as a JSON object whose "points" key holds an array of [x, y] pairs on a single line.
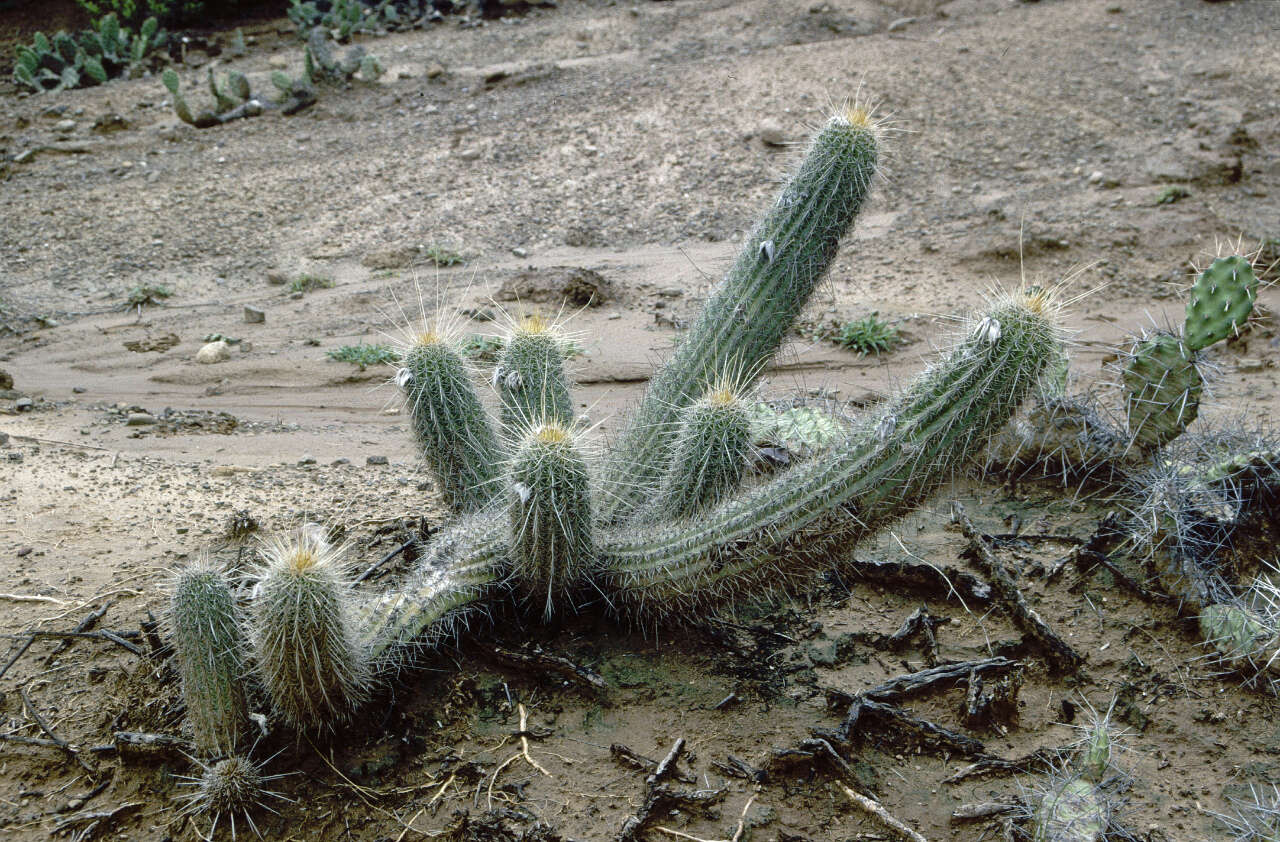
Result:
{"points": [[254, 315], [307, 459], [376, 460], [23, 404], [139, 419]]}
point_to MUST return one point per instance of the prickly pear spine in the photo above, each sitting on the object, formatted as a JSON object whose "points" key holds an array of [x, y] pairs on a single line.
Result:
{"points": [[750, 312], [452, 427], [210, 649], [1221, 300], [530, 376], [550, 515]]}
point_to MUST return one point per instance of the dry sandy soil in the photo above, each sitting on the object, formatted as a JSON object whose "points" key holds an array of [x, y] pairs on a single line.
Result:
{"points": [[624, 139]]}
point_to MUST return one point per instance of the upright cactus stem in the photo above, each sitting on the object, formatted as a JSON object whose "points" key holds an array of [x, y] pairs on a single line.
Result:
{"points": [[550, 513], [710, 453], [306, 645], [750, 312], [530, 376], [210, 653], [452, 428], [1221, 300]]}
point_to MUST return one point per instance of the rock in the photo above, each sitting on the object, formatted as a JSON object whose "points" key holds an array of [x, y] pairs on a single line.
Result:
{"points": [[23, 404], [254, 315], [79, 390], [337, 463], [1186, 162], [24, 156], [307, 459], [214, 352], [6, 379], [1095, 177], [470, 154], [278, 62], [139, 419], [15, 456], [520, 252], [231, 470], [771, 133], [435, 70], [109, 123], [277, 278], [553, 284], [64, 126], [4, 439], [376, 460]]}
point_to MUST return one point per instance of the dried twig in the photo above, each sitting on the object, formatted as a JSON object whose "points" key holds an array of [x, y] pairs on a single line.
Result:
{"points": [[981, 811], [873, 808], [373, 568], [942, 676], [542, 663], [1059, 654], [16, 655], [83, 626], [22, 597], [48, 732], [1000, 766]]}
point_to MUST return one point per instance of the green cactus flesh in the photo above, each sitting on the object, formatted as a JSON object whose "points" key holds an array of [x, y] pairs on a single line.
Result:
{"points": [[710, 454], [802, 430], [1163, 388], [453, 431], [93, 67], [530, 377], [1240, 635], [549, 507], [1221, 300], [1073, 810], [809, 517], [751, 311], [1095, 759], [305, 640], [208, 647]]}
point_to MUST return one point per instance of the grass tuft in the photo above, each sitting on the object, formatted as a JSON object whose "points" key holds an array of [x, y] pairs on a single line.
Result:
{"points": [[364, 355]]}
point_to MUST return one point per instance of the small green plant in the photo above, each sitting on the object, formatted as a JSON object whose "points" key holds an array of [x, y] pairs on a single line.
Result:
{"points": [[86, 58], [167, 11], [307, 283], [1172, 193], [147, 294], [867, 335], [477, 346], [442, 256], [364, 355]]}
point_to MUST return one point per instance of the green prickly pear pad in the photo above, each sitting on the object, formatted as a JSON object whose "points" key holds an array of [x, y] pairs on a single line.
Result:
{"points": [[1221, 300], [1163, 389]]}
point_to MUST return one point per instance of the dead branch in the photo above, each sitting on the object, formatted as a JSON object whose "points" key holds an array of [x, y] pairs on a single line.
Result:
{"points": [[1059, 654]]}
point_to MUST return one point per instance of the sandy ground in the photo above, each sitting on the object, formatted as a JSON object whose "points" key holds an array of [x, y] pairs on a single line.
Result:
{"points": [[625, 139]]}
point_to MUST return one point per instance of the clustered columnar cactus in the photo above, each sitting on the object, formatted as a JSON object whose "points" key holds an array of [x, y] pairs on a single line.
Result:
{"points": [[210, 649], [663, 528], [1162, 382], [451, 425], [548, 486], [87, 58], [530, 376], [709, 457]]}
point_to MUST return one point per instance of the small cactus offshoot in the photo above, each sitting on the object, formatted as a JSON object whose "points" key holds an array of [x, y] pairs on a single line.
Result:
{"points": [[210, 649], [305, 641], [231, 787]]}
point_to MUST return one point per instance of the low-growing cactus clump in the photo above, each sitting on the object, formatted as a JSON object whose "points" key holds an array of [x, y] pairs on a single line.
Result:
{"points": [[90, 57], [668, 522]]}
